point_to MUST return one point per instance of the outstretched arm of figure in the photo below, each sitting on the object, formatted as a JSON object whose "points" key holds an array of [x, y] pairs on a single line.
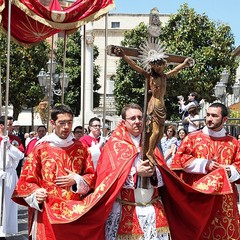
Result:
{"points": [[119, 52], [187, 62]]}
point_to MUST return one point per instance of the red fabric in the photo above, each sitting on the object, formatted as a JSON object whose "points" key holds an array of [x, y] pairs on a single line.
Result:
{"points": [[87, 139], [33, 22], [30, 146], [220, 198], [40, 170], [13, 137]]}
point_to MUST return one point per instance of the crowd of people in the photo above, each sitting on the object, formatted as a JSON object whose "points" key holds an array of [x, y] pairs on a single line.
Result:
{"points": [[70, 175], [70, 168]]}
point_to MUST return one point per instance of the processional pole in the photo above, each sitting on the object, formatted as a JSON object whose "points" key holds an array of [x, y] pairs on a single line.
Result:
{"points": [[105, 72], [83, 73], [6, 106], [64, 64]]}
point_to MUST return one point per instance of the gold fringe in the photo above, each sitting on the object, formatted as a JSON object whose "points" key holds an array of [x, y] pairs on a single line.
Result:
{"points": [[63, 26]]}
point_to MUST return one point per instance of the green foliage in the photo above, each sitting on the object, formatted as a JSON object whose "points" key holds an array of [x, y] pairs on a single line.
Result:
{"points": [[73, 69], [186, 33], [25, 64], [128, 84]]}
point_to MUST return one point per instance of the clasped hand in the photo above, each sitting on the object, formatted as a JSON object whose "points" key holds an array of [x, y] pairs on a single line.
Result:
{"points": [[144, 169]]}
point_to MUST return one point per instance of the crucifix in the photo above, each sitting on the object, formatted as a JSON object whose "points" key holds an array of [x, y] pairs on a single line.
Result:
{"points": [[154, 59]]}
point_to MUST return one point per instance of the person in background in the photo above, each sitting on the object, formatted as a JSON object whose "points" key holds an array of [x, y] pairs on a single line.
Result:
{"points": [[94, 141], [10, 209], [210, 158], [28, 139], [181, 134], [16, 131], [57, 174], [41, 132], [78, 132], [167, 144], [136, 212], [193, 115], [15, 141], [183, 108]]}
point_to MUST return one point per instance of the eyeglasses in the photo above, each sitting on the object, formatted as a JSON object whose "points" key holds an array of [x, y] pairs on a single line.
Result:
{"points": [[96, 126], [64, 123], [134, 118], [78, 132]]}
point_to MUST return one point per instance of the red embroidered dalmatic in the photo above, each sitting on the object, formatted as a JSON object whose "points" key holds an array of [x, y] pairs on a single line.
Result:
{"points": [[42, 167], [220, 198]]}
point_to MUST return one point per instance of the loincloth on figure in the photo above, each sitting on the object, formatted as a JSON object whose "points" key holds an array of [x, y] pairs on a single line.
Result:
{"points": [[157, 115]]}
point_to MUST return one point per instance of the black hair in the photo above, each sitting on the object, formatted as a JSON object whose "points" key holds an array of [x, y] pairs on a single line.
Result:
{"points": [[92, 120], [224, 109], [78, 127], [60, 109]]}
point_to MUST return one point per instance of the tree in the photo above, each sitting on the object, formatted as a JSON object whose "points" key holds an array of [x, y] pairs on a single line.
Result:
{"points": [[186, 33], [73, 69], [25, 64]]}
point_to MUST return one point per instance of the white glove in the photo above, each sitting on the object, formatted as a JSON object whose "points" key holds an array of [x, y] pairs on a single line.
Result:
{"points": [[2, 174]]}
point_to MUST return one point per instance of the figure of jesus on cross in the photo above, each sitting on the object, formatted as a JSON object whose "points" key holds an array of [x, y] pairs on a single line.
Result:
{"points": [[154, 59], [156, 111]]}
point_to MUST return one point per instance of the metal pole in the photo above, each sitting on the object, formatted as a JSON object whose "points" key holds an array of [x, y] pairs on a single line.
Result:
{"points": [[83, 73], [50, 87], [0, 87], [64, 63], [6, 105], [105, 72]]}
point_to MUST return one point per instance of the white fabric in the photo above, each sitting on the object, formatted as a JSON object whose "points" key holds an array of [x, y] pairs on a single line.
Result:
{"points": [[234, 174], [221, 133], [197, 166], [95, 152], [32, 201], [10, 209], [56, 141], [192, 127], [82, 187], [145, 214]]}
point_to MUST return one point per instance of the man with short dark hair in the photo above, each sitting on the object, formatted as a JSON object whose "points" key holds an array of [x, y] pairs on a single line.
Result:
{"points": [[94, 140], [57, 174], [209, 159]]}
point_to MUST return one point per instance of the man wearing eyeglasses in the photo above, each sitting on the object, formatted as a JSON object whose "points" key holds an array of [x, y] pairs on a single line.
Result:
{"points": [[94, 135], [56, 175], [132, 212], [94, 141]]}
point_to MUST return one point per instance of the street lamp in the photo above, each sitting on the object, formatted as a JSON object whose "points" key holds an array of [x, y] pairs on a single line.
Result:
{"points": [[50, 87], [220, 88], [48, 82]]}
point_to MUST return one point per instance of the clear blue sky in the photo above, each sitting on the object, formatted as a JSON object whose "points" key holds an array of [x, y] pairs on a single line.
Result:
{"points": [[227, 12]]}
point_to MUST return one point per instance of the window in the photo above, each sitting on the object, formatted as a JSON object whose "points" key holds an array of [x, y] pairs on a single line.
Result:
{"points": [[115, 24]]}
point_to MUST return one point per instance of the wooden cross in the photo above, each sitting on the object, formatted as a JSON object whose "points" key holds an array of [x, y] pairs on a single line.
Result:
{"points": [[153, 34]]}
